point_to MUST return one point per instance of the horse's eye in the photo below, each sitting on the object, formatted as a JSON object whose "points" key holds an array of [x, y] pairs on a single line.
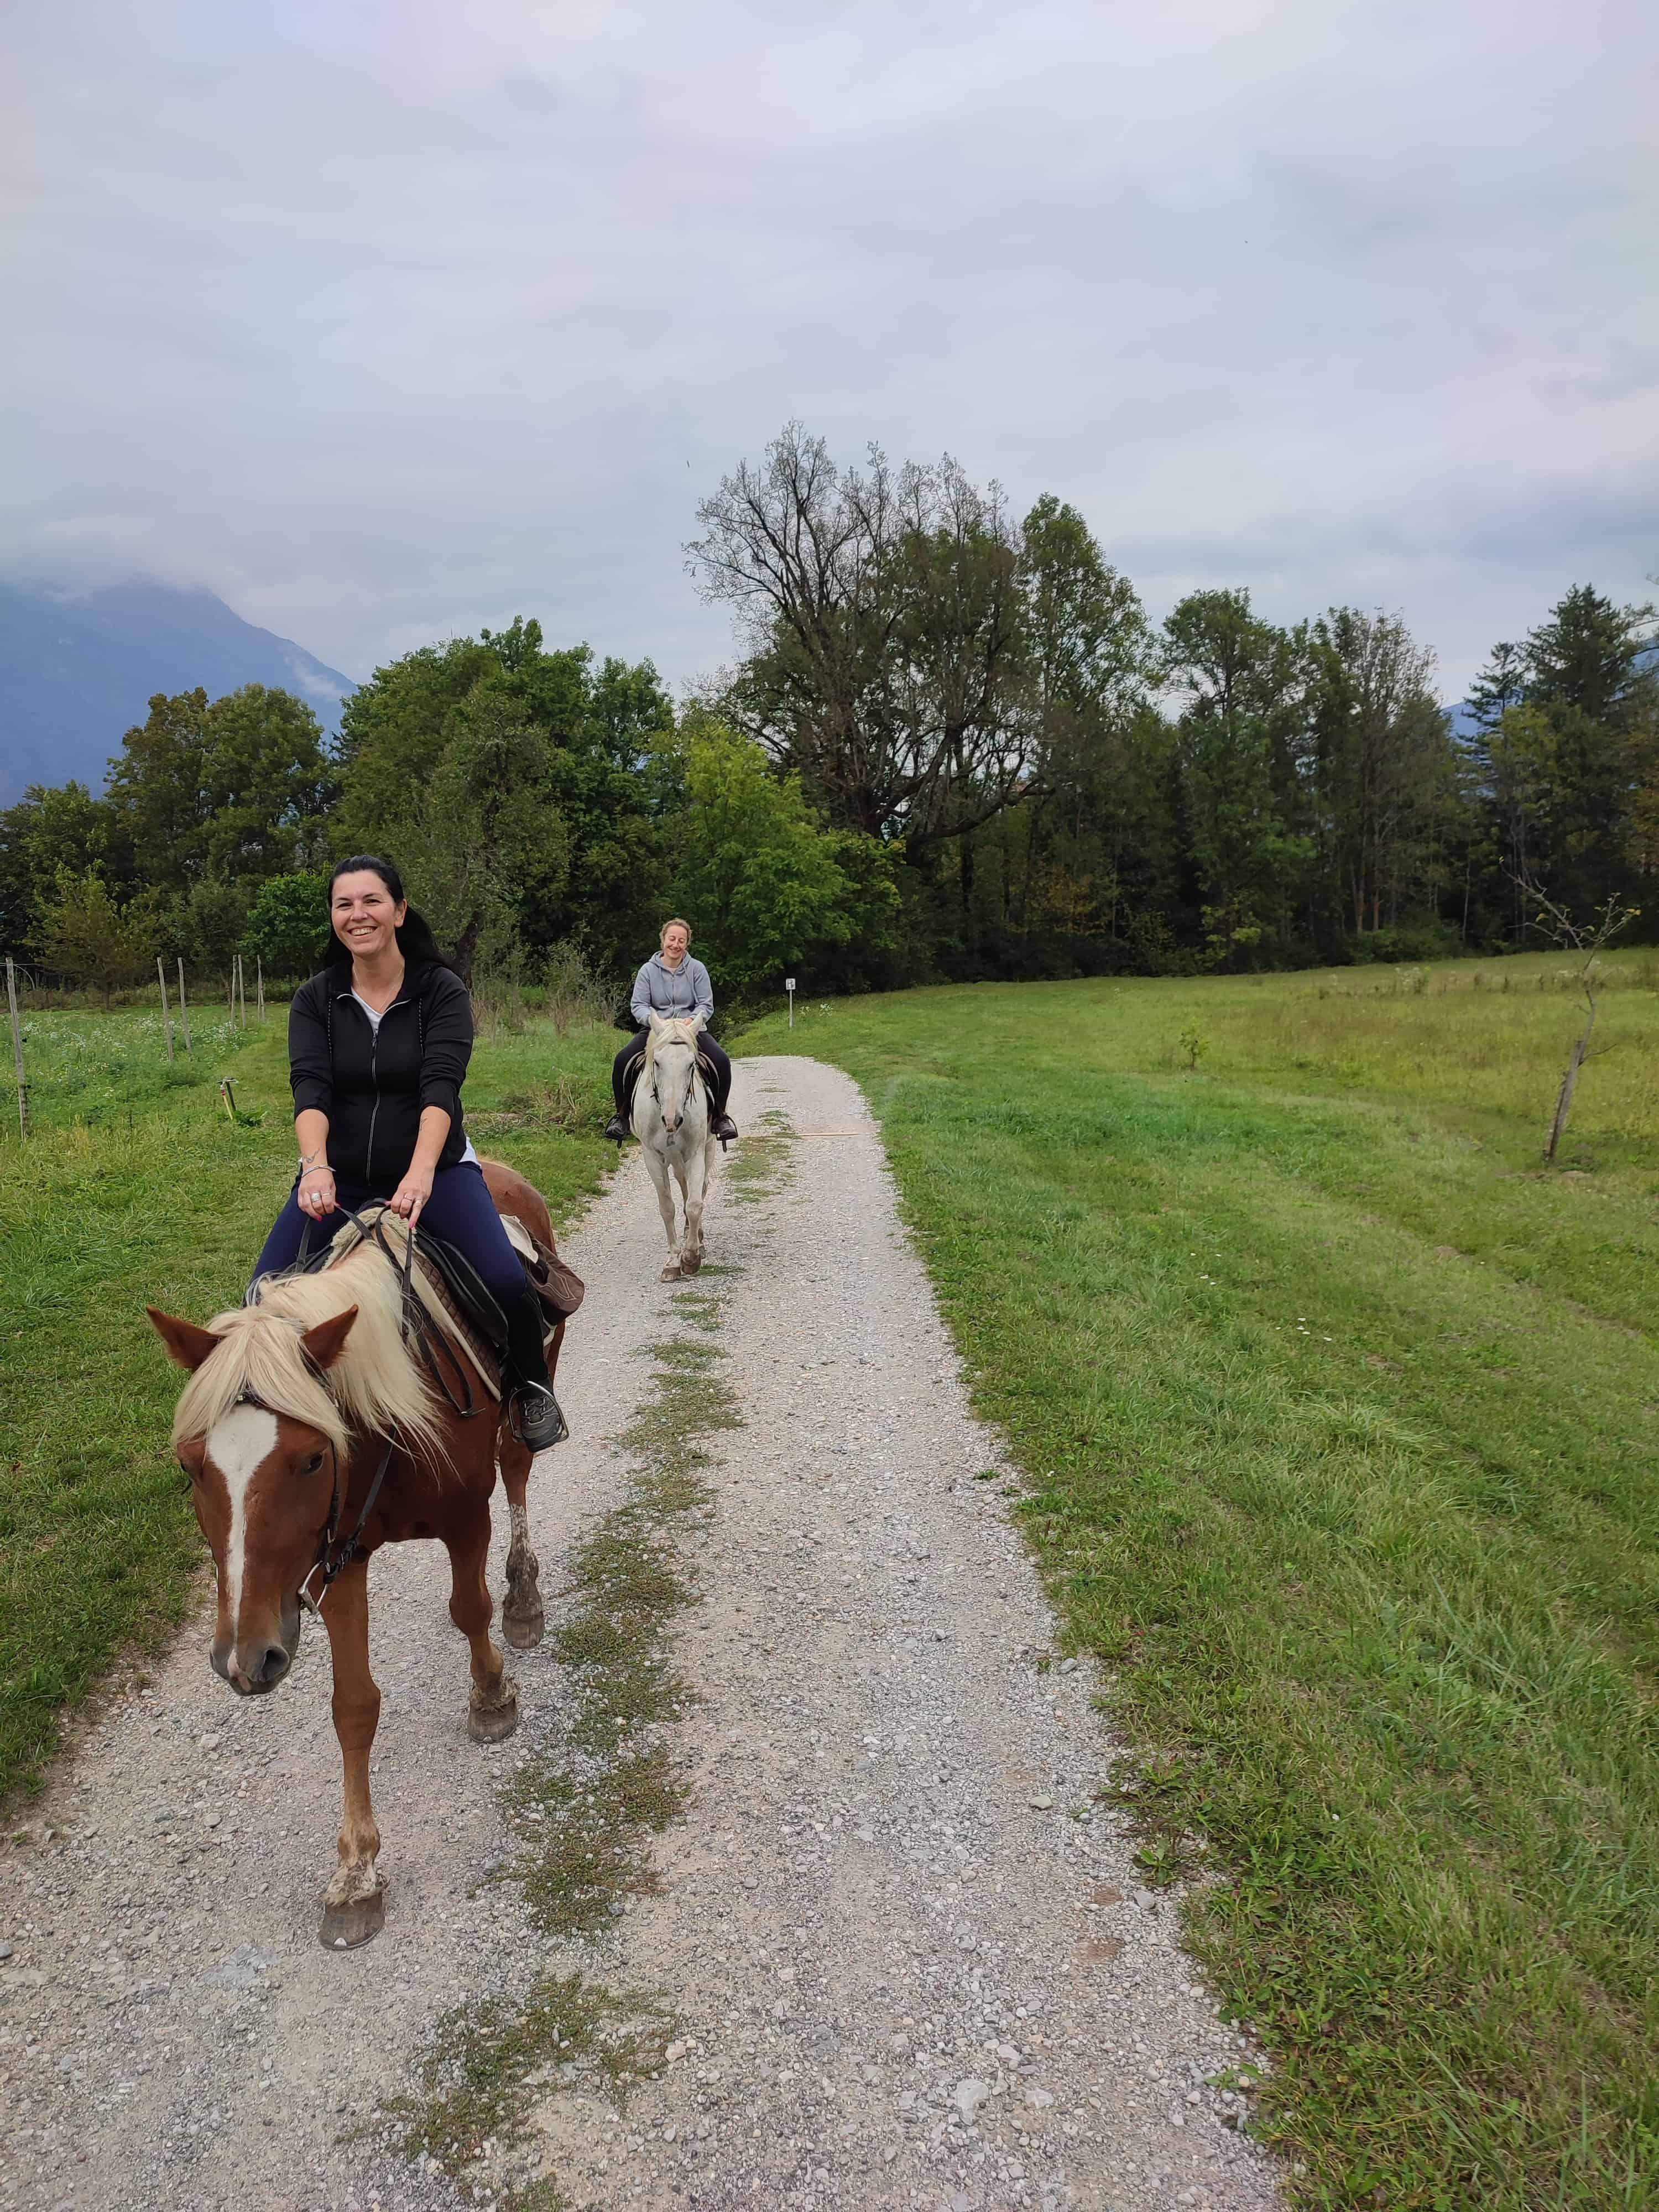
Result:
{"points": [[312, 1464]]}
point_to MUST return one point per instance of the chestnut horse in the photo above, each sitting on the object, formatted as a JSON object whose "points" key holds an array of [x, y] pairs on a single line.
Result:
{"points": [[312, 1436]]}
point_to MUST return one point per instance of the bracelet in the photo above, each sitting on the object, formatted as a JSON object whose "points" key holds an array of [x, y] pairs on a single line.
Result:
{"points": [[321, 1167]]}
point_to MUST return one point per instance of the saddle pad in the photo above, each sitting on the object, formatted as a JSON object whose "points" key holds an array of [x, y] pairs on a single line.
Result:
{"points": [[559, 1288]]}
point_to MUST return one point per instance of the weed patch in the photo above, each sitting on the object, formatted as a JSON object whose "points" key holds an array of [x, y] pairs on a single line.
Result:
{"points": [[763, 1164], [487, 2063], [585, 1813]]}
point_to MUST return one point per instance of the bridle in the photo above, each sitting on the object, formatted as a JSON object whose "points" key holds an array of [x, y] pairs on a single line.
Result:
{"points": [[654, 1062], [333, 1555], [331, 1562]]}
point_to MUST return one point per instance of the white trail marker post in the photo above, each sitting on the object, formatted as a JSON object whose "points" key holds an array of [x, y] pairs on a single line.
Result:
{"points": [[789, 986]]}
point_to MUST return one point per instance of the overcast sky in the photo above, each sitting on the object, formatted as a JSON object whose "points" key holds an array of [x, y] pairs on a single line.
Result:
{"points": [[385, 320]]}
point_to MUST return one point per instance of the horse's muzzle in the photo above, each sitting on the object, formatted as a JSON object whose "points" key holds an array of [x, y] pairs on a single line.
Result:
{"points": [[254, 1665]]}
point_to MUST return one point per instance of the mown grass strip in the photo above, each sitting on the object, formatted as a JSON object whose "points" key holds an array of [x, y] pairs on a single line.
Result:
{"points": [[1362, 1516], [137, 1188], [583, 1813]]}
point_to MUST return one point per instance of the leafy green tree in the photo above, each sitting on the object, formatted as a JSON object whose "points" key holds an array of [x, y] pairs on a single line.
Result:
{"points": [[1587, 656], [1501, 684], [606, 772], [481, 834], [288, 922], [87, 935], [1383, 768], [52, 829], [767, 889], [233, 787], [1240, 752], [208, 924]]}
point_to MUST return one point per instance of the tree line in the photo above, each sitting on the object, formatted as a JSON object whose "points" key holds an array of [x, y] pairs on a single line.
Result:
{"points": [[951, 744]]}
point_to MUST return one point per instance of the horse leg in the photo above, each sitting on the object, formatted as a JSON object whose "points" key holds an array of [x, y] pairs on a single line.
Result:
{"points": [[353, 1905], [524, 1623], [492, 1707], [658, 1167], [697, 1183]]}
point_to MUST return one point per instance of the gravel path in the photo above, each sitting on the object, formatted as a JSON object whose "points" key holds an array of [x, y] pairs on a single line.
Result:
{"points": [[910, 1966]]}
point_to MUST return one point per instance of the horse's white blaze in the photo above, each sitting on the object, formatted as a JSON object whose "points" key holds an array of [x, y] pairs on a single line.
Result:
{"points": [[239, 1446]]}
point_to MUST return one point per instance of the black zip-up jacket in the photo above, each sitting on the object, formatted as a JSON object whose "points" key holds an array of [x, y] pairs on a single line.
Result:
{"points": [[374, 1088]]}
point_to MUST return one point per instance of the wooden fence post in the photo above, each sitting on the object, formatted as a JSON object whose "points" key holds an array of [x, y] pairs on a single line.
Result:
{"points": [[167, 1018], [184, 1010], [259, 982], [17, 1049]]}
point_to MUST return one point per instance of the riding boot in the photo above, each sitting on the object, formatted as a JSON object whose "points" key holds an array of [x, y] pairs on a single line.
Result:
{"points": [[615, 1129], [536, 1417]]}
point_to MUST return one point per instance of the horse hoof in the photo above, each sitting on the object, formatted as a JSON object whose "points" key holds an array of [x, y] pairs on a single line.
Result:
{"points": [[692, 1261], [523, 1626], [492, 1723], [670, 1274], [345, 1926]]}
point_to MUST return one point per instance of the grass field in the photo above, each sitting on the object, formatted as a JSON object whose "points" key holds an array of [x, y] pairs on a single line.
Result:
{"points": [[1339, 1420], [135, 1188]]}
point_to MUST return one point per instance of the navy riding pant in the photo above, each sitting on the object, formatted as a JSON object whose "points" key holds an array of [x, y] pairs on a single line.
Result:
{"points": [[626, 1067], [462, 1212]]}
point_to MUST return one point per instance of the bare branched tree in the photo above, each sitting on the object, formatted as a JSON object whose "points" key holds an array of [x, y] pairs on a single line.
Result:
{"points": [[1586, 941], [882, 614]]}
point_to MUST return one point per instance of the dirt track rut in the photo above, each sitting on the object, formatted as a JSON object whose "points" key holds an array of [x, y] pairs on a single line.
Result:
{"points": [[910, 1964]]}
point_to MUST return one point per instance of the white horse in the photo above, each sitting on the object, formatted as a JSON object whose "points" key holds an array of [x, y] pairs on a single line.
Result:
{"points": [[671, 1119]]}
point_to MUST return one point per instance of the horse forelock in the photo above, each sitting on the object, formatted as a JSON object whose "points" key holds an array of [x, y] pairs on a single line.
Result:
{"points": [[375, 1386], [685, 1031]]}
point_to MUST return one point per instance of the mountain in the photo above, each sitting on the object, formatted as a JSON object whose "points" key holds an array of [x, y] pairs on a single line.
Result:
{"points": [[77, 669]]}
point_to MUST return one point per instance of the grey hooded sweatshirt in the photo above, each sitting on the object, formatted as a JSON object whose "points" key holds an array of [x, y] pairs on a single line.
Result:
{"points": [[675, 992]]}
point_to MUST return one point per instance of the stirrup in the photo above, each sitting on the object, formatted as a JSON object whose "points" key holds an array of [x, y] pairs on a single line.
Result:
{"points": [[552, 1412]]}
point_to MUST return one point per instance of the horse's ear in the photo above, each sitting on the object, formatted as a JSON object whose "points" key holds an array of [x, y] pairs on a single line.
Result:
{"points": [[323, 1345], [657, 1025], [186, 1343], [695, 1022]]}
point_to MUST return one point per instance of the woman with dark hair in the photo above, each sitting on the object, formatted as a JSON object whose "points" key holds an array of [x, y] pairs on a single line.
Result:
{"points": [[378, 1044]]}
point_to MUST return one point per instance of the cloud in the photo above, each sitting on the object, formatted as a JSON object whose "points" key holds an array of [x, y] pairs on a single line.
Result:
{"points": [[385, 320]]}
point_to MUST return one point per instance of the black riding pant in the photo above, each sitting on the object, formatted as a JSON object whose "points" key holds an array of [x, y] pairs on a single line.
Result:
{"points": [[626, 1065]]}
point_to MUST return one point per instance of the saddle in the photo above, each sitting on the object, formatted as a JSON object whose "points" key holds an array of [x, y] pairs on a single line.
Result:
{"points": [[450, 1295]]}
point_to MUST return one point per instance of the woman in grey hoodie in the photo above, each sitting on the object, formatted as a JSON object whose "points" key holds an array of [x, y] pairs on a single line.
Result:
{"points": [[673, 984]]}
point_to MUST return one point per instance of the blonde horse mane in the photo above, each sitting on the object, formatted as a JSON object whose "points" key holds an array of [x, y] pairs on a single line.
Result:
{"points": [[375, 1385]]}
